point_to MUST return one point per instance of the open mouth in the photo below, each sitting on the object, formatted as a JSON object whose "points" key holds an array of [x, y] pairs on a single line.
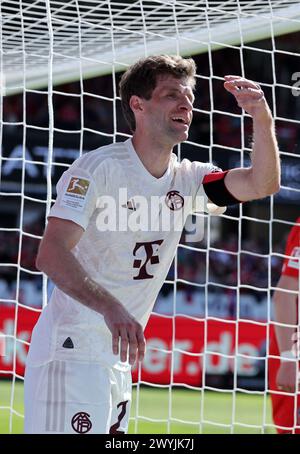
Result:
{"points": [[180, 120]]}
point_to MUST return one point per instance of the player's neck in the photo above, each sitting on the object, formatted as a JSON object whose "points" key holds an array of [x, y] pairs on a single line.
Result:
{"points": [[154, 155]]}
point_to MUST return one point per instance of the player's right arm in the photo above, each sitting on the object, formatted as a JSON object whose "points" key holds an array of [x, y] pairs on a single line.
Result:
{"points": [[285, 308], [55, 258]]}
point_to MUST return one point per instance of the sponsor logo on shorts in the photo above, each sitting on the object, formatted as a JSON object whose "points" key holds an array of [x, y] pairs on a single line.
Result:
{"points": [[81, 422]]}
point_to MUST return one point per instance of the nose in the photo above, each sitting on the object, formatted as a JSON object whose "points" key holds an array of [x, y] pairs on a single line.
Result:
{"points": [[186, 104]]}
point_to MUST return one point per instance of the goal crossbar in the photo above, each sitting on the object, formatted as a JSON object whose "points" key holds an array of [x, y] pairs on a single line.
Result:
{"points": [[89, 41]]}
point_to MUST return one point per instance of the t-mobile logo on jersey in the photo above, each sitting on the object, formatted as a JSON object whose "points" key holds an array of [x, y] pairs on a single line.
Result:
{"points": [[150, 249]]}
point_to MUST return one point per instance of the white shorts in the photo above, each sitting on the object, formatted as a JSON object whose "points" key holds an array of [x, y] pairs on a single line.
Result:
{"points": [[76, 397]]}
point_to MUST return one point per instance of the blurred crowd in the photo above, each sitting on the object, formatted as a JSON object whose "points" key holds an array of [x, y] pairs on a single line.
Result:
{"points": [[228, 267]]}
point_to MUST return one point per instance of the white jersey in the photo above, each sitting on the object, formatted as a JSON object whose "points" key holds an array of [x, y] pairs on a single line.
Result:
{"points": [[132, 265]]}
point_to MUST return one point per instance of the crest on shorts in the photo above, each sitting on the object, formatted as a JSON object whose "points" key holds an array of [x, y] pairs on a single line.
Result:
{"points": [[174, 200], [81, 422]]}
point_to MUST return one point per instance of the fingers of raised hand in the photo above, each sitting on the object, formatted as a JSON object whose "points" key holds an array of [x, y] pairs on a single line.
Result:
{"points": [[243, 89], [238, 81]]}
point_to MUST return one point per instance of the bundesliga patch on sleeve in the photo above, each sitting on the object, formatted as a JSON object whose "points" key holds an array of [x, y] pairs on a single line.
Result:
{"points": [[76, 193]]}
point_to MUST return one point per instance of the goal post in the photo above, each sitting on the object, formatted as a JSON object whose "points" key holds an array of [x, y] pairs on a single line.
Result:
{"points": [[210, 328]]}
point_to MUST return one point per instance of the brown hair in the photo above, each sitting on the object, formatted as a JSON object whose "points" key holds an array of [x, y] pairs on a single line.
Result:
{"points": [[140, 79]]}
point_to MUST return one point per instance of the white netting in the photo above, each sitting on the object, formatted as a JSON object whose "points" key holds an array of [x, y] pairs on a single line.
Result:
{"points": [[44, 127], [99, 34]]}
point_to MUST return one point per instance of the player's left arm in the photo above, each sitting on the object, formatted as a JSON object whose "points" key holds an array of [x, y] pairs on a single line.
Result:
{"points": [[263, 177]]}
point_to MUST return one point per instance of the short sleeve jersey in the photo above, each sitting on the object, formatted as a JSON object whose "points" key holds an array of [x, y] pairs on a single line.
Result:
{"points": [[292, 252], [102, 191]]}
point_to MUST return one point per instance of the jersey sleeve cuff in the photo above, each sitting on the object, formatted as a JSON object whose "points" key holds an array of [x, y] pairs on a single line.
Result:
{"points": [[62, 213]]}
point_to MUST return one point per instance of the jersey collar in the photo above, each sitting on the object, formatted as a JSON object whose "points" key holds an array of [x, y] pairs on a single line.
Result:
{"points": [[141, 169]]}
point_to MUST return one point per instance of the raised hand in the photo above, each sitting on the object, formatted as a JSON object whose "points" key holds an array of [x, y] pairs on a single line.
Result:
{"points": [[248, 95]]}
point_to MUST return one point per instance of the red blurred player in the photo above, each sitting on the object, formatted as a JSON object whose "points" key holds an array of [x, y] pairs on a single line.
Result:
{"points": [[283, 372]]}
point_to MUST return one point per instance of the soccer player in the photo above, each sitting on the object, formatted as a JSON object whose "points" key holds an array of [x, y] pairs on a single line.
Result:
{"points": [[78, 373], [283, 373]]}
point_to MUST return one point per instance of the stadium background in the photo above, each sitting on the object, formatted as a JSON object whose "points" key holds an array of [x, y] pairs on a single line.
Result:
{"points": [[191, 264]]}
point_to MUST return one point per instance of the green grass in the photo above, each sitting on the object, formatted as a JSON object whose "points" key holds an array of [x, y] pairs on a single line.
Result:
{"points": [[159, 404]]}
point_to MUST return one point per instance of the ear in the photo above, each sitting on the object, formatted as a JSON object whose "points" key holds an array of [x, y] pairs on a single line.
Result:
{"points": [[136, 103]]}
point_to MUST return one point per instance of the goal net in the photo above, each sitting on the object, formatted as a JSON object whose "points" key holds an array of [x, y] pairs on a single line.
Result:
{"points": [[208, 338]]}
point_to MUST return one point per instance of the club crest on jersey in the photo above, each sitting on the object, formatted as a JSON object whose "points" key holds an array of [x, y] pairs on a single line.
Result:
{"points": [[174, 200], [81, 422]]}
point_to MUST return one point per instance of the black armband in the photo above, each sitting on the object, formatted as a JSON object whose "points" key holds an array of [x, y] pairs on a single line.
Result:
{"points": [[216, 191]]}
